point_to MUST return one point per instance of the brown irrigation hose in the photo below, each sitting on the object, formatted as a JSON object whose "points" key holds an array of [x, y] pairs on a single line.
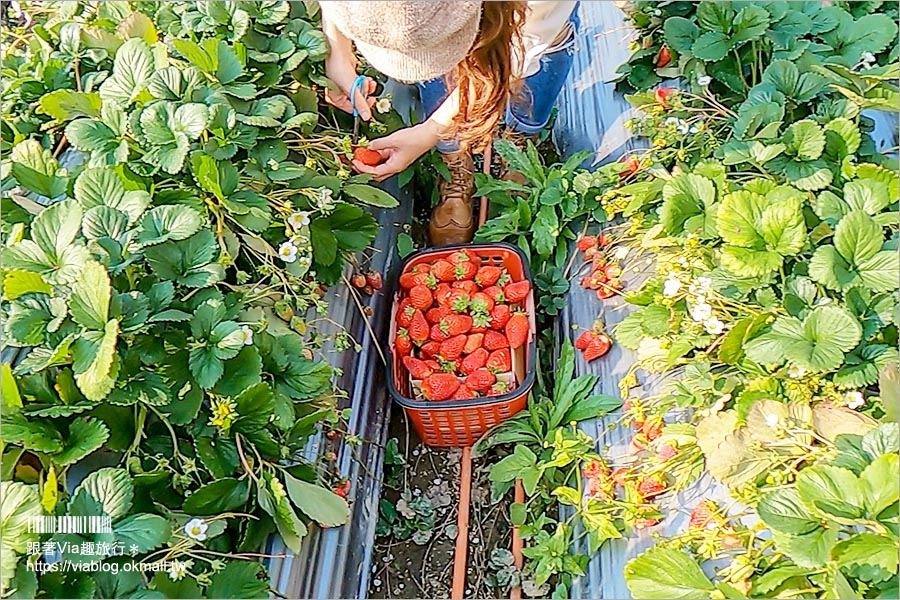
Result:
{"points": [[460, 555], [516, 592]]}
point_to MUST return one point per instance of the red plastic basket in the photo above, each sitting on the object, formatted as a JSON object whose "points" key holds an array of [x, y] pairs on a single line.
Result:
{"points": [[459, 423]]}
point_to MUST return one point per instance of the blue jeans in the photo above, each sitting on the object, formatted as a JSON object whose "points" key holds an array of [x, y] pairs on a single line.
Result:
{"points": [[530, 110]]}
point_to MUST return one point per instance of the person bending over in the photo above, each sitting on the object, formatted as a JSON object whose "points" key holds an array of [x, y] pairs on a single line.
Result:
{"points": [[475, 64]]}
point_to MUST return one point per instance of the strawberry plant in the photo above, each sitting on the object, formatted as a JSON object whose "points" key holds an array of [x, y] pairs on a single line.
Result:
{"points": [[764, 221], [174, 202]]}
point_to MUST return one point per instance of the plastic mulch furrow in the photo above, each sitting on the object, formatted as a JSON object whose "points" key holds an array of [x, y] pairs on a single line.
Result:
{"points": [[336, 563]]}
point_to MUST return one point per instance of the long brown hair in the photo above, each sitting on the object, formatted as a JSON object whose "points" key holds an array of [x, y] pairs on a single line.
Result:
{"points": [[484, 78]]}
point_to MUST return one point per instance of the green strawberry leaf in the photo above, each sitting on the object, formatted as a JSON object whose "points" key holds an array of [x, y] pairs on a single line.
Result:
{"points": [[89, 302], [36, 169], [168, 222], [104, 187], [818, 343]]}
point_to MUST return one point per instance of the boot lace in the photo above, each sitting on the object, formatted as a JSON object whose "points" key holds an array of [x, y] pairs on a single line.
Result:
{"points": [[459, 175]]}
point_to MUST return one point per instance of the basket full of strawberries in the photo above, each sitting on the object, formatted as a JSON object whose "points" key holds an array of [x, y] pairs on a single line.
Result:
{"points": [[462, 341]]}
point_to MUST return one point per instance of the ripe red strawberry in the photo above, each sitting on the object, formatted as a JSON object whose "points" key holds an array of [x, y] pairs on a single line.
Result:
{"points": [[605, 292], [418, 328], [517, 292], [467, 285], [703, 514], [645, 522], [494, 340], [488, 275], [500, 361], [374, 280], [500, 315], [602, 489], [664, 57], [440, 386], [443, 288], [464, 393], [595, 468], [666, 452], [584, 340], [420, 297], [367, 157], [586, 242], [402, 342], [632, 165], [619, 475], [498, 389], [612, 271], [459, 300], [465, 271], [662, 96], [431, 349], [442, 294], [342, 489], [416, 367], [408, 280], [434, 315], [481, 380], [517, 330], [496, 293], [598, 346], [358, 280], [437, 333], [603, 239], [476, 360], [481, 302], [473, 343], [650, 487], [652, 427], [443, 271], [454, 324], [434, 365], [405, 312], [462, 256], [452, 348]]}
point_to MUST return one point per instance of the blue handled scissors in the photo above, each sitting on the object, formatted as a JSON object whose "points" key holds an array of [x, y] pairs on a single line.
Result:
{"points": [[357, 86]]}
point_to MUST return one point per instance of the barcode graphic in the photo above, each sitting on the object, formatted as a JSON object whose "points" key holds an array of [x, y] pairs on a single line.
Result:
{"points": [[69, 524]]}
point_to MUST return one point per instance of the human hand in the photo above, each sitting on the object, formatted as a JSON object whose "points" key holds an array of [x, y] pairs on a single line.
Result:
{"points": [[342, 71], [399, 150]]}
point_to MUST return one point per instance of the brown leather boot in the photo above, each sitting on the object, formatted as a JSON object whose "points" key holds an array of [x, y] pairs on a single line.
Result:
{"points": [[520, 141], [452, 221]]}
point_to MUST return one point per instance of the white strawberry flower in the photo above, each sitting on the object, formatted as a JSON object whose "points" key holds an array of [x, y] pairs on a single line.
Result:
{"points": [[304, 261], [854, 400], [288, 252], [325, 198], [178, 569], [298, 219], [383, 105], [196, 529], [671, 287], [796, 371], [704, 80], [701, 312], [621, 253], [247, 335], [714, 326]]}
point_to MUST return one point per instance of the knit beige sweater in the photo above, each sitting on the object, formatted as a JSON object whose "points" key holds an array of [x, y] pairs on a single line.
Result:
{"points": [[419, 41]]}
